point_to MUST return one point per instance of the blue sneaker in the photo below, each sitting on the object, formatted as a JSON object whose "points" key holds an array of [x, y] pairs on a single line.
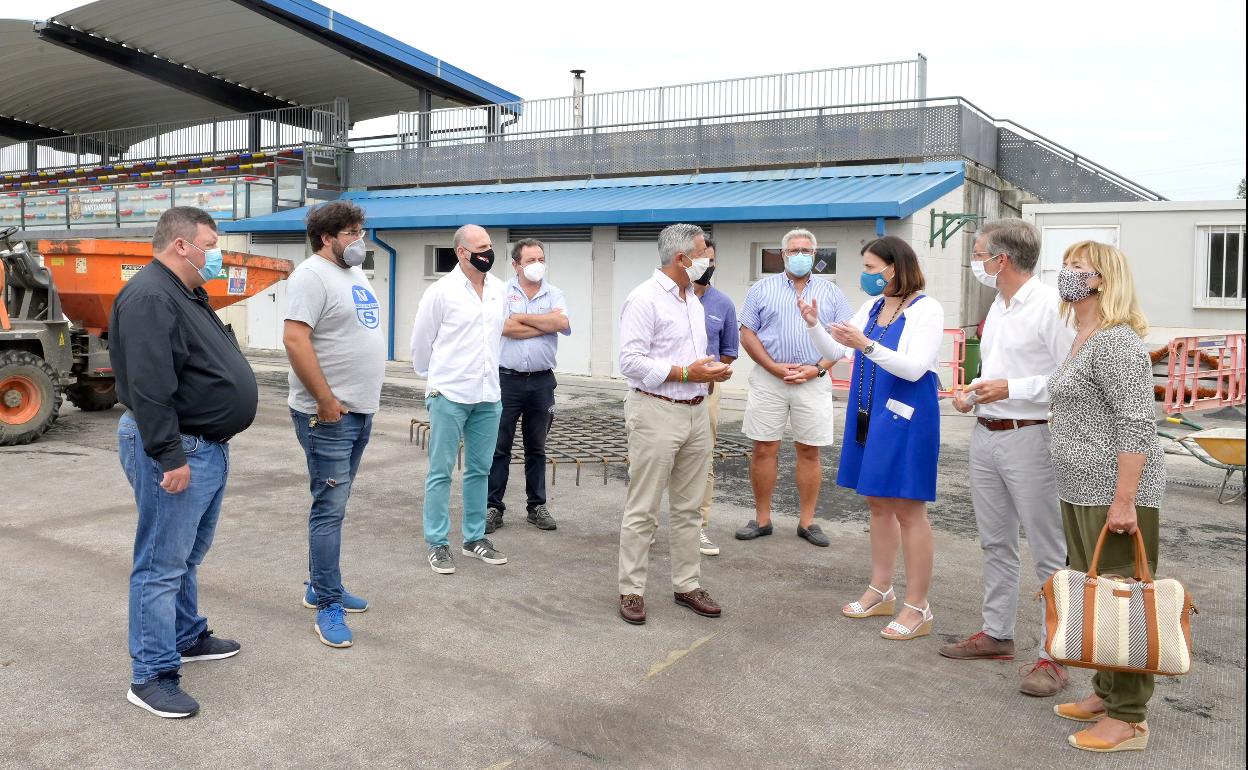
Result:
{"points": [[350, 602], [331, 626]]}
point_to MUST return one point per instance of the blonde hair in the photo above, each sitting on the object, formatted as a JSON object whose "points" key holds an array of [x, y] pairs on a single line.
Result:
{"points": [[1118, 301]]}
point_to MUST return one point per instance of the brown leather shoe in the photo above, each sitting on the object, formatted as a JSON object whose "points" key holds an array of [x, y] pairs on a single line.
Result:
{"points": [[633, 609], [700, 602], [980, 646], [1042, 679]]}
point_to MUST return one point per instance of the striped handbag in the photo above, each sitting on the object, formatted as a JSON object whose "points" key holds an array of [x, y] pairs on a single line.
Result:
{"points": [[1110, 623]]}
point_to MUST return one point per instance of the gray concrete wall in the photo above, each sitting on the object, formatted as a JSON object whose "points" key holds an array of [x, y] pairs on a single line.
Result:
{"points": [[1163, 244]]}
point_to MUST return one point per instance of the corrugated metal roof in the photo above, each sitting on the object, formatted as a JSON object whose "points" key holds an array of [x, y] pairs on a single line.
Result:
{"points": [[861, 192], [57, 88], [295, 50]]}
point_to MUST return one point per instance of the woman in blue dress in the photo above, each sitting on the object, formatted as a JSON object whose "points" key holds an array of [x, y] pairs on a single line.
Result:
{"points": [[892, 425]]}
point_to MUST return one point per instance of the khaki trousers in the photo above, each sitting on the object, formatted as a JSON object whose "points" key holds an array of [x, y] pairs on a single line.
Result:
{"points": [[712, 413], [669, 448]]}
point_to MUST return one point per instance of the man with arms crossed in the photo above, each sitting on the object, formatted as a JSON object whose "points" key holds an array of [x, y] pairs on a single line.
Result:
{"points": [[663, 355], [188, 391], [337, 355], [536, 314], [1012, 481]]}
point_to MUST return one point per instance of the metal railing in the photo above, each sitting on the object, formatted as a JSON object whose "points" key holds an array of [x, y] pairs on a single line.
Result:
{"points": [[667, 105], [141, 203], [938, 128], [268, 130]]}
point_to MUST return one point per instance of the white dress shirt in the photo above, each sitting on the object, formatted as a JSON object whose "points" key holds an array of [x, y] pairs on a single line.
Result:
{"points": [[456, 338], [658, 330], [918, 349], [1023, 343]]}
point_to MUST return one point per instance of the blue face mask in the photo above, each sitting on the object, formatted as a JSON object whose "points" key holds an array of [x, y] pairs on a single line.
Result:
{"points": [[799, 264], [873, 283], [212, 263]]}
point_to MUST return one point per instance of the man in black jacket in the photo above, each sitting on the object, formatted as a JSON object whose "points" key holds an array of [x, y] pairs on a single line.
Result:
{"points": [[188, 390]]}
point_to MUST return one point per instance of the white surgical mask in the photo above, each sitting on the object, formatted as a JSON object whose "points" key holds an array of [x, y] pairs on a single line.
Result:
{"points": [[535, 271], [355, 253], [698, 267], [981, 273]]}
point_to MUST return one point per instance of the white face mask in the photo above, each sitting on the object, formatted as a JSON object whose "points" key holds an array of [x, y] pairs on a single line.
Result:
{"points": [[698, 267], [535, 271], [982, 275], [355, 253]]}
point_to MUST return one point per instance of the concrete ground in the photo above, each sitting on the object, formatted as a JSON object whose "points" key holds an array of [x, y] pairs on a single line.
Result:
{"points": [[527, 664]]}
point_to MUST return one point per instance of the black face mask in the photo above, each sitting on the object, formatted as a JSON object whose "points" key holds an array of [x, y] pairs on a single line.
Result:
{"points": [[706, 277], [482, 261]]}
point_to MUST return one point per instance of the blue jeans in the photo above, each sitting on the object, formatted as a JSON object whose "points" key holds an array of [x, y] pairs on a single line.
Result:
{"points": [[170, 541], [333, 451], [477, 426]]}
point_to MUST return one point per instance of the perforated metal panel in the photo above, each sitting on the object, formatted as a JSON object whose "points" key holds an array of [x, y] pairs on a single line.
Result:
{"points": [[921, 132], [1053, 177]]}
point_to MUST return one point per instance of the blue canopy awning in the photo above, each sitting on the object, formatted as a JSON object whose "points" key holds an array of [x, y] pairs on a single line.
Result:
{"points": [[849, 192]]}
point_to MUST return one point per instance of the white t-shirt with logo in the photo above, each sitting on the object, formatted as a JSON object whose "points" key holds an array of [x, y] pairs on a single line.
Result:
{"points": [[345, 317]]}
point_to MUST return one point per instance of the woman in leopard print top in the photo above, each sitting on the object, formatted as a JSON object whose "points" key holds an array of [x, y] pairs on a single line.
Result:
{"points": [[1108, 464]]}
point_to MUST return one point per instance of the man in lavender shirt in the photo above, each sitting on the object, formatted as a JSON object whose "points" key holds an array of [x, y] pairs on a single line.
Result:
{"points": [[663, 355], [722, 341]]}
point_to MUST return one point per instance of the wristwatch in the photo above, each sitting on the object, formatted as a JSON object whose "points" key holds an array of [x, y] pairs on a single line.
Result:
{"points": [[822, 371], [869, 349]]}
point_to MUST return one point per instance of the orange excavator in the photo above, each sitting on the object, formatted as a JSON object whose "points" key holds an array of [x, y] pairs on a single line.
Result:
{"points": [[54, 308]]}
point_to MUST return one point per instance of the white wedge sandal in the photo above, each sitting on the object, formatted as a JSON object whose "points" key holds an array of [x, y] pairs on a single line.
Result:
{"points": [[885, 606], [900, 633]]}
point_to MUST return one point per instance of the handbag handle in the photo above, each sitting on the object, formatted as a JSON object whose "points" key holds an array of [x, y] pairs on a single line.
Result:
{"points": [[1142, 572]]}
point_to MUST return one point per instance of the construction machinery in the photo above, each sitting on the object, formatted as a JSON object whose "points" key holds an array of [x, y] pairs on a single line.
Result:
{"points": [[54, 308]]}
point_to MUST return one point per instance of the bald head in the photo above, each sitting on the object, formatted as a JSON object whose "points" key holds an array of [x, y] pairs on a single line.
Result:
{"points": [[468, 234]]}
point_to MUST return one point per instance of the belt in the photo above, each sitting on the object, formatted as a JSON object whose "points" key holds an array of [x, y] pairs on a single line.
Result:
{"points": [[514, 373], [686, 401], [995, 424]]}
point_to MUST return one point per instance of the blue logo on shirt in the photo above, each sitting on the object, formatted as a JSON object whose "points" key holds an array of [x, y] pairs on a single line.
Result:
{"points": [[366, 307]]}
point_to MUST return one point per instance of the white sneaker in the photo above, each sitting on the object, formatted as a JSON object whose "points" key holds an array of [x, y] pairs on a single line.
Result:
{"points": [[705, 546]]}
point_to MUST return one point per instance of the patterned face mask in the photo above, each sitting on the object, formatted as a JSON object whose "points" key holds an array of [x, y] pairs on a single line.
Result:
{"points": [[1072, 285]]}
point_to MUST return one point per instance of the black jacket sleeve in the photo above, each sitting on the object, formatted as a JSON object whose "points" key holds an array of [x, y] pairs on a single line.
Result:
{"points": [[154, 351]]}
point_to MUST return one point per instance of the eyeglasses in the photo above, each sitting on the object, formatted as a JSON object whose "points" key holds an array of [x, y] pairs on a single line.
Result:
{"points": [[985, 254], [795, 252], [352, 233]]}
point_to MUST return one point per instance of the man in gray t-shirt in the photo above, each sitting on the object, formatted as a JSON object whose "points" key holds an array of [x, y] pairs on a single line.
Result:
{"points": [[337, 355]]}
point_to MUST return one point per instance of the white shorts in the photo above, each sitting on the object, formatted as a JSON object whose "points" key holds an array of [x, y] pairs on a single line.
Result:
{"points": [[772, 405]]}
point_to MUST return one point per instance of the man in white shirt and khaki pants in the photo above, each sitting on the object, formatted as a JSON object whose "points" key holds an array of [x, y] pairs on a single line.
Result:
{"points": [[1011, 474], [455, 345], [663, 355]]}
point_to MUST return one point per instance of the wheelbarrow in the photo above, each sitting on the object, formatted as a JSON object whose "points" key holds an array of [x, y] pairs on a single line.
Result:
{"points": [[1222, 448]]}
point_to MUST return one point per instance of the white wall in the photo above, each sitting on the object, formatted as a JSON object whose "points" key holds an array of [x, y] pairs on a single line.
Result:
{"points": [[1160, 240]]}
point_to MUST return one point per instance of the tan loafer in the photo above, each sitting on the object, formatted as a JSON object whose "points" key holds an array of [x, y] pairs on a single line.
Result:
{"points": [[1042, 679], [1087, 742]]}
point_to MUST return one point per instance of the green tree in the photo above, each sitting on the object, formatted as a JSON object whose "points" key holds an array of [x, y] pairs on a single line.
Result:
{"points": [[1241, 192]]}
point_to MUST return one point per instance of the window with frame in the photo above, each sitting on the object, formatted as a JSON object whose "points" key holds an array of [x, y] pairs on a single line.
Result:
{"points": [[1220, 277], [769, 260], [439, 260]]}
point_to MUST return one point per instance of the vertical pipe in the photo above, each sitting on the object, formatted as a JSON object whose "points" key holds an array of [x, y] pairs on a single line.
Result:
{"points": [[578, 100], [390, 290], [921, 84]]}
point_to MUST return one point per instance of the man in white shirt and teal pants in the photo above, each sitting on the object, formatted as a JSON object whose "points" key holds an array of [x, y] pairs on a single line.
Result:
{"points": [[455, 347], [1011, 474]]}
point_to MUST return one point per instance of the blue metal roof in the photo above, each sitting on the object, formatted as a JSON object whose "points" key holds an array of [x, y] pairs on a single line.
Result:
{"points": [[330, 23], [853, 192]]}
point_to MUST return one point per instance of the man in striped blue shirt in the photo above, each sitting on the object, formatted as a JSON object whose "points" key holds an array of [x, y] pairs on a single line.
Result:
{"points": [[788, 386]]}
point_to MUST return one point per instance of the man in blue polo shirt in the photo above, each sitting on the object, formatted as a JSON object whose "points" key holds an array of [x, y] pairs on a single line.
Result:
{"points": [[722, 339], [536, 314], [788, 389]]}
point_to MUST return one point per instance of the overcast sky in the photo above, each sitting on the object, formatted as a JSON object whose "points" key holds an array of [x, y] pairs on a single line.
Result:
{"points": [[1152, 91]]}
